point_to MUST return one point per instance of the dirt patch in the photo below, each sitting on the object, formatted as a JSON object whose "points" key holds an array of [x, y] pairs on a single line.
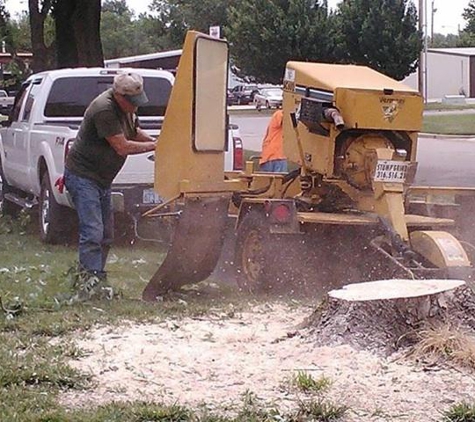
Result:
{"points": [[217, 358]]}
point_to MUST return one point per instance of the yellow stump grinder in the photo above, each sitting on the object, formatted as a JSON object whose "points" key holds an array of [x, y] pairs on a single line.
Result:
{"points": [[350, 135]]}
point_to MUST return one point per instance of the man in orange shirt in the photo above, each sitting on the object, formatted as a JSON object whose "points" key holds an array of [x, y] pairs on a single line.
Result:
{"points": [[272, 157]]}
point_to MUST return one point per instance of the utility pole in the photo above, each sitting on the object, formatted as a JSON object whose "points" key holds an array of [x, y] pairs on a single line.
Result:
{"points": [[420, 73], [426, 45], [433, 10]]}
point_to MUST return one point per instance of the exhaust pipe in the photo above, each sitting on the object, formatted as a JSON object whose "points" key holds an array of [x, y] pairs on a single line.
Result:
{"points": [[333, 115]]}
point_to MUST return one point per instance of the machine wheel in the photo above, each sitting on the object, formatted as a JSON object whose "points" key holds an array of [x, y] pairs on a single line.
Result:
{"points": [[7, 207], [56, 221], [252, 253]]}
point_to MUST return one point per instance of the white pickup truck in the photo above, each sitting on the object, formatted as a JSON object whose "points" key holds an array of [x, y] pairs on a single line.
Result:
{"points": [[41, 128]]}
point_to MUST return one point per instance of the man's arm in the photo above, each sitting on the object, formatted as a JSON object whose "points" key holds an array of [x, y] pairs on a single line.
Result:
{"points": [[143, 136], [124, 146]]}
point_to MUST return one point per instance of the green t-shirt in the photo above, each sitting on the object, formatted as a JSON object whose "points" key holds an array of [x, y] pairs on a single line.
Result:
{"points": [[91, 155]]}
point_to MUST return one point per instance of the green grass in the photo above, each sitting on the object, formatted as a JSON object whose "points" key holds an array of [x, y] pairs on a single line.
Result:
{"points": [[434, 106], [461, 412], [37, 319], [35, 287], [36, 322], [453, 124], [305, 382], [321, 410]]}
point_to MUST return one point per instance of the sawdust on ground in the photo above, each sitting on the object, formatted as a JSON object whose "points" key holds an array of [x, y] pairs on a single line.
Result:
{"points": [[215, 359]]}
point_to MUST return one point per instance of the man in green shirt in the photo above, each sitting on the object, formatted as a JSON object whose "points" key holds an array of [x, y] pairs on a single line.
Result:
{"points": [[109, 133]]}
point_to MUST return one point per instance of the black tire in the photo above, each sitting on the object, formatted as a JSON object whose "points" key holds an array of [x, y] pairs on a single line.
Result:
{"points": [[57, 223], [252, 253], [7, 207], [278, 263]]}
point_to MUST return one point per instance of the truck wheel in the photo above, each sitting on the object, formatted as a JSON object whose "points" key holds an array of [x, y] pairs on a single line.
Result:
{"points": [[252, 253], [7, 207], [56, 221]]}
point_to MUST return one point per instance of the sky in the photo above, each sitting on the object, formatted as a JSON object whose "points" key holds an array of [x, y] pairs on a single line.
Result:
{"points": [[447, 13]]}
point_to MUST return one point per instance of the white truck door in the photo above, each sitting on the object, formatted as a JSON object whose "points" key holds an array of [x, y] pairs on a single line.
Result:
{"points": [[25, 143], [14, 139]]}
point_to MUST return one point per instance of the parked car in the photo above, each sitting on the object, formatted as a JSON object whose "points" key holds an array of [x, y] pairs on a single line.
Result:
{"points": [[268, 98], [244, 94]]}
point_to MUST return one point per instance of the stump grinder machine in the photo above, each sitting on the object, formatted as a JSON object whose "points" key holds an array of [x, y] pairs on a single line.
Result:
{"points": [[339, 215]]}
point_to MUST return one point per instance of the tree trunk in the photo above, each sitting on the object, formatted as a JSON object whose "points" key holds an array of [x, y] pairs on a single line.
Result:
{"points": [[386, 315], [66, 48], [41, 53], [78, 33], [86, 22]]}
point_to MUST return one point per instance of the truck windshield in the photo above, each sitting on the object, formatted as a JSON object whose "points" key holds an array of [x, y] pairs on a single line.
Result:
{"points": [[69, 97]]}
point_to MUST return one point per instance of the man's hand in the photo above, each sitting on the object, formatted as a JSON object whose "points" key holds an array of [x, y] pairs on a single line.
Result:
{"points": [[143, 136]]}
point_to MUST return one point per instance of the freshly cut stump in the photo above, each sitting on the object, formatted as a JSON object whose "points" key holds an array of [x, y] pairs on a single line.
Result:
{"points": [[385, 315]]}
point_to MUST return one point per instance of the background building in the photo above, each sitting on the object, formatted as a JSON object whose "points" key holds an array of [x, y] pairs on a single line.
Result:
{"points": [[450, 71]]}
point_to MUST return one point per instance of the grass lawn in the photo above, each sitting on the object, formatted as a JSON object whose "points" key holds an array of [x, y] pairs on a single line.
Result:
{"points": [[37, 317], [441, 106], [450, 124], [38, 321]]}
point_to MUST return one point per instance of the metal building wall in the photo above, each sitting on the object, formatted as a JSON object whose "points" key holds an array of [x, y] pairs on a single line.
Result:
{"points": [[448, 73]]}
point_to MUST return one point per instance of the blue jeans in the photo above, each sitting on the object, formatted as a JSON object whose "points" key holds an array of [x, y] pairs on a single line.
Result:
{"points": [[96, 224], [274, 166]]}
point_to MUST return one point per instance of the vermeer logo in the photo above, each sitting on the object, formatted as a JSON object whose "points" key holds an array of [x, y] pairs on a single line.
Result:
{"points": [[391, 107]]}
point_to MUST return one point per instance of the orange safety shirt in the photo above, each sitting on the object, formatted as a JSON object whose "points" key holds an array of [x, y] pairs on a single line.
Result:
{"points": [[272, 146]]}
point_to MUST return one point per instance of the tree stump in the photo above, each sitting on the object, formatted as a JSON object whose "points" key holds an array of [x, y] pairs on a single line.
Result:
{"points": [[386, 315]]}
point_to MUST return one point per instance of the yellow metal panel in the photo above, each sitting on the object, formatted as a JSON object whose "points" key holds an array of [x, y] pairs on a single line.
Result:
{"points": [[440, 248], [177, 164], [331, 218], [332, 76], [423, 221], [364, 109], [318, 149], [369, 219]]}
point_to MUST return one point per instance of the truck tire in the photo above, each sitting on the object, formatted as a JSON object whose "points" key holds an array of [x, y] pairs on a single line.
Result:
{"points": [[7, 207], [282, 263], [253, 253], [56, 222]]}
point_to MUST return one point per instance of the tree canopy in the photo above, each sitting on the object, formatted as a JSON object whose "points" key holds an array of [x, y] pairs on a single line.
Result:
{"points": [[381, 34], [467, 35], [263, 34]]}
